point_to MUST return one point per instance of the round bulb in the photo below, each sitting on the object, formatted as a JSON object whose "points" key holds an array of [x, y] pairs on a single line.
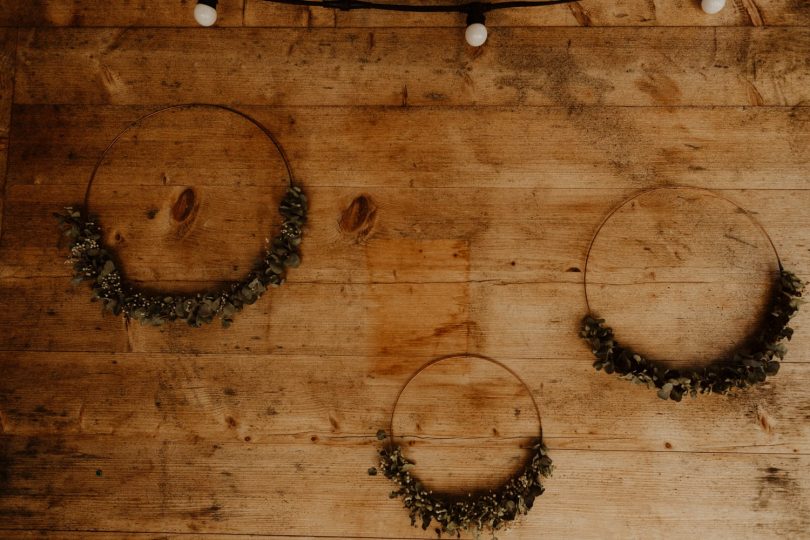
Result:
{"points": [[712, 6], [476, 34], [205, 15]]}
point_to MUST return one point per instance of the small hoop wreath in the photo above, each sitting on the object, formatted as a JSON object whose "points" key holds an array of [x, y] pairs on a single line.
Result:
{"points": [[94, 262], [749, 364], [490, 510]]}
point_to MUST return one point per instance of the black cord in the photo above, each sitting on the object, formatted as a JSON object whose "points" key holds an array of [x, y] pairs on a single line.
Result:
{"points": [[470, 7]]}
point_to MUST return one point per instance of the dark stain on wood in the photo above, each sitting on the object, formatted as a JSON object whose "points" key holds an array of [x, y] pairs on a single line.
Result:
{"points": [[6, 464], [210, 512], [662, 89], [468, 326], [359, 218], [41, 410], [777, 485], [184, 206], [16, 512]]}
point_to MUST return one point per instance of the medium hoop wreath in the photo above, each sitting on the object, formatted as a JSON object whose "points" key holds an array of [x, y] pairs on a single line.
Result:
{"points": [[490, 510], [94, 262], [749, 364]]}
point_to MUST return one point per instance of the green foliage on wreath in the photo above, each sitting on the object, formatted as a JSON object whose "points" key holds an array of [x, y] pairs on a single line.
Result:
{"points": [[94, 262], [749, 365], [490, 511]]}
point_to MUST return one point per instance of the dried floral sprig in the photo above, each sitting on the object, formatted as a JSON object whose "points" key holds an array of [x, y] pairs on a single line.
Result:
{"points": [[751, 364], [490, 511], [94, 262]]}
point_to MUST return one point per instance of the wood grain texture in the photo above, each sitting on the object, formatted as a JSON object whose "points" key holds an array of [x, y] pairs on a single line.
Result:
{"points": [[594, 14], [416, 66], [453, 196], [121, 535], [8, 51], [228, 397], [176, 13], [409, 243], [509, 147], [126, 13], [188, 486]]}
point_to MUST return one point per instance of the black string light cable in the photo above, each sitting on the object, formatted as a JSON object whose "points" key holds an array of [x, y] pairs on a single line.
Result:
{"points": [[205, 12]]}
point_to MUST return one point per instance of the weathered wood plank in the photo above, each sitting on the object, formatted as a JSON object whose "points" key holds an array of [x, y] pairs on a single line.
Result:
{"points": [[231, 486], [371, 147], [516, 320], [510, 268], [538, 317], [101, 13], [266, 398], [558, 66], [393, 251], [261, 13], [119, 535], [8, 48], [258, 13], [294, 319], [406, 239], [622, 13], [507, 268]]}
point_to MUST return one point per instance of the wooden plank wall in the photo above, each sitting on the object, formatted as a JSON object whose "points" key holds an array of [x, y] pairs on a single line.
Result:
{"points": [[454, 192]]}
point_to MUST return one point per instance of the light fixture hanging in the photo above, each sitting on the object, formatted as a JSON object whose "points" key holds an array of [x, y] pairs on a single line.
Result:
{"points": [[712, 6], [476, 34], [205, 12]]}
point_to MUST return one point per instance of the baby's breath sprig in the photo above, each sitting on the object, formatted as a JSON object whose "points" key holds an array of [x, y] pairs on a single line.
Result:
{"points": [[94, 262]]}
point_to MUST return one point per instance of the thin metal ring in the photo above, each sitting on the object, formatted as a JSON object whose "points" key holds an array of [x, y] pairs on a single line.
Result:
{"points": [[625, 202], [145, 117], [465, 355]]}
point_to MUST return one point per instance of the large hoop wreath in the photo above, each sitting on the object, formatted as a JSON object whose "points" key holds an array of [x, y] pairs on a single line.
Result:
{"points": [[749, 364], [94, 262], [491, 510]]}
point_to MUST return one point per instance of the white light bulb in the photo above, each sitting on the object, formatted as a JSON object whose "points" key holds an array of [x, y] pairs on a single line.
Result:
{"points": [[476, 34], [712, 6], [205, 15]]}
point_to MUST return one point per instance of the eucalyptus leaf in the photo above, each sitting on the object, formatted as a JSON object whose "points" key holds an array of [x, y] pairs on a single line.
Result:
{"points": [[487, 511], [93, 262], [750, 364]]}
